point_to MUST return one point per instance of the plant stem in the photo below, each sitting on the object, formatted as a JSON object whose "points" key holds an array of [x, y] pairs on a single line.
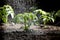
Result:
{"points": [[25, 21]]}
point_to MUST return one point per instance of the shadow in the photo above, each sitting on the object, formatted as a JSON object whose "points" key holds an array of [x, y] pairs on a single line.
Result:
{"points": [[2, 2], [1, 33], [48, 5]]}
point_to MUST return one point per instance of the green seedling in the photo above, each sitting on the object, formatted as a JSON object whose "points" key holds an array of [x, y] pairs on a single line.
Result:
{"points": [[26, 19], [44, 16], [6, 10]]}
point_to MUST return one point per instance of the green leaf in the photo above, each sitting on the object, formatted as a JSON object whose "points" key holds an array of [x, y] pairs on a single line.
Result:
{"points": [[8, 10], [52, 19], [58, 13], [18, 18]]}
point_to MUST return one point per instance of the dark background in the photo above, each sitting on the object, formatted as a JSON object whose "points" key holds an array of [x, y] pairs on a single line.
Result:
{"points": [[2, 2], [48, 5]]}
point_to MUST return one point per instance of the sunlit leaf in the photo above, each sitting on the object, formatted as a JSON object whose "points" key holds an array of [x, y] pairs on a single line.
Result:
{"points": [[8, 10]]}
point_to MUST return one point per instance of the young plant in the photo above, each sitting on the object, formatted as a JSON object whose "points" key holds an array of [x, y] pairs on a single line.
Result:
{"points": [[29, 18], [47, 18], [6, 10], [26, 19], [44, 16]]}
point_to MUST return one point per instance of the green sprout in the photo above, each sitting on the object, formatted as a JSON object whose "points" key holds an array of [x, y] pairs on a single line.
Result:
{"points": [[44, 16], [26, 19], [5, 11]]}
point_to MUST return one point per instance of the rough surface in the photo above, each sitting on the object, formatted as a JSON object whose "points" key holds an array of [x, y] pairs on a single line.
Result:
{"points": [[11, 33], [30, 35]]}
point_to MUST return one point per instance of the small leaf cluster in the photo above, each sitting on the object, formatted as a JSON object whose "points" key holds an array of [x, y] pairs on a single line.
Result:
{"points": [[5, 11], [26, 18], [44, 16]]}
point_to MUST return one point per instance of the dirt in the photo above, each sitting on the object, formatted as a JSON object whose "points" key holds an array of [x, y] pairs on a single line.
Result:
{"points": [[34, 27]]}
